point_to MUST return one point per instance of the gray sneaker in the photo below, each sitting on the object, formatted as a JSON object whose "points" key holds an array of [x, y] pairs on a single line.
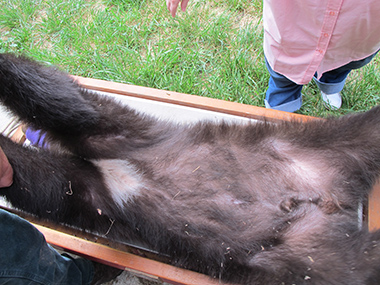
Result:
{"points": [[332, 101]]}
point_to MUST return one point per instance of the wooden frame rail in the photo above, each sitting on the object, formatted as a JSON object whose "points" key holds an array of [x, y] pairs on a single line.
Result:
{"points": [[145, 266], [141, 266], [187, 100]]}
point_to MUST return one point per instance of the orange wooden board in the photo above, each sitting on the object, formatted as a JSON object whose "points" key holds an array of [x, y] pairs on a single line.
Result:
{"points": [[374, 208], [124, 260], [194, 101]]}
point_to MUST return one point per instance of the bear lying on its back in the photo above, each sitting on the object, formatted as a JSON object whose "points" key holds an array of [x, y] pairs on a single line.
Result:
{"points": [[250, 204]]}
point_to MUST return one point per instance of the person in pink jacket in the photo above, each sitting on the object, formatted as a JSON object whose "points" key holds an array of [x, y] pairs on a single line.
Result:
{"points": [[320, 40]]}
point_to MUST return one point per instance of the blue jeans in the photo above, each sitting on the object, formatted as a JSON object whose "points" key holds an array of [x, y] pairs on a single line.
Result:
{"points": [[26, 258], [285, 95]]}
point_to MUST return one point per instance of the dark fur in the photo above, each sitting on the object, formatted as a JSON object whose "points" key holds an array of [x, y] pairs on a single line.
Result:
{"points": [[251, 204]]}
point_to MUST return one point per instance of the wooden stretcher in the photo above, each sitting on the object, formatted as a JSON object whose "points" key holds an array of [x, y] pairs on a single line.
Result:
{"points": [[148, 264]]}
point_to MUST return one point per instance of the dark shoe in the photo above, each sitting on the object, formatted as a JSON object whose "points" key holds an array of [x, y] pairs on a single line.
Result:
{"points": [[104, 273]]}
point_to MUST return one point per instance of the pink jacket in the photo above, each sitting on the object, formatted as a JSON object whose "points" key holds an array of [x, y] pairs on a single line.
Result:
{"points": [[302, 37]]}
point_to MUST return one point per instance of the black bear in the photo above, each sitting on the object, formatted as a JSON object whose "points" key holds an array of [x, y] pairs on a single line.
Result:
{"points": [[257, 203]]}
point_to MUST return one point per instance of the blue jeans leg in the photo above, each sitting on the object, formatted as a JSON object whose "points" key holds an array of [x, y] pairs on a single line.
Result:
{"points": [[26, 258], [282, 94], [333, 81]]}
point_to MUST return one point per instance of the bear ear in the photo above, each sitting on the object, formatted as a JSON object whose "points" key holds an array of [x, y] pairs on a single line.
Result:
{"points": [[43, 96]]}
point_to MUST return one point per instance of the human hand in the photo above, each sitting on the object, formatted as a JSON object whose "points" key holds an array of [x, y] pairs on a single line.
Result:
{"points": [[173, 5], [6, 171]]}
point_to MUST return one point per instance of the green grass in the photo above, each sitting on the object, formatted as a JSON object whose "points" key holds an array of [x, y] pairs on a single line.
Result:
{"points": [[213, 50]]}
